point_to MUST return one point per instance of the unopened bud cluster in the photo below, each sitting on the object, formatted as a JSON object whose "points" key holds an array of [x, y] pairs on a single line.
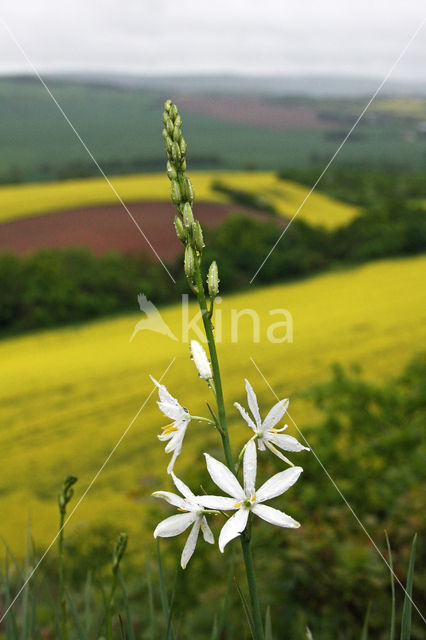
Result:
{"points": [[66, 493], [188, 230], [119, 550]]}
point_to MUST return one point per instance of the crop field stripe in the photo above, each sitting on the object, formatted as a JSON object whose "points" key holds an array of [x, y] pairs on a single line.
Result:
{"points": [[92, 157], [339, 148], [343, 497], [86, 491]]}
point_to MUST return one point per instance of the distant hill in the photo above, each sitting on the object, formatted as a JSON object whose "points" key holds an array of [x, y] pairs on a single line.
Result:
{"points": [[276, 85], [229, 123]]}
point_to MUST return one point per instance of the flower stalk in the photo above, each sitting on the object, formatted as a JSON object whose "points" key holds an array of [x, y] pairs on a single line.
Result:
{"points": [[63, 499], [245, 501]]}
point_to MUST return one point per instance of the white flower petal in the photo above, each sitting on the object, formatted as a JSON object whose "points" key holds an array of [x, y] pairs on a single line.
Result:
{"points": [[249, 468], [252, 403], [275, 415], [278, 453], [174, 525], [181, 486], [288, 443], [173, 411], [207, 532], [245, 416], [223, 477], [233, 527], [171, 498], [278, 484], [201, 360], [190, 544], [219, 503], [261, 444], [274, 516], [173, 459]]}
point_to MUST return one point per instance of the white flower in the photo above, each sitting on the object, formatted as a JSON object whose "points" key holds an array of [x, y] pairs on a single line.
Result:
{"points": [[192, 513], [201, 361], [175, 431], [248, 499], [265, 432]]}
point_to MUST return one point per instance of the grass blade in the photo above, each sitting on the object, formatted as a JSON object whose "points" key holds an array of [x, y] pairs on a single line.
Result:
{"points": [[392, 625], [268, 624], [77, 622], [164, 599], [246, 610], [219, 622], [152, 625], [406, 610], [130, 634], [11, 627], [364, 634]]}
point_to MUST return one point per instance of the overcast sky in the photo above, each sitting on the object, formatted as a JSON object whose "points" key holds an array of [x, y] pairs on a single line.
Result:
{"points": [[342, 37]]}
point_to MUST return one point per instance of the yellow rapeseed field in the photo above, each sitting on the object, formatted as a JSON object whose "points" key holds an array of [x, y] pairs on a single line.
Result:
{"points": [[68, 395], [28, 200]]}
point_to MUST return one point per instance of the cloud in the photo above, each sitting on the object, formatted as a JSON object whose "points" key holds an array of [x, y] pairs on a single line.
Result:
{"points": [[360, 37]]}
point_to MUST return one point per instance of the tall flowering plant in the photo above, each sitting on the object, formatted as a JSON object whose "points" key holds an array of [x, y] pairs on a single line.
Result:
{"points": [[241, 500]]}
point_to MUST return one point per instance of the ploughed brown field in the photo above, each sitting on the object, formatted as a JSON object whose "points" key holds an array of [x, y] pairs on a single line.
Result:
{"points": [[109, 228], [254, 111]]}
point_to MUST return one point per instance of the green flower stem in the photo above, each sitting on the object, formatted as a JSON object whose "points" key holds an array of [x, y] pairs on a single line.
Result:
{"points": [[208, 328], [251, 581], [246, 536], [64, 623]]}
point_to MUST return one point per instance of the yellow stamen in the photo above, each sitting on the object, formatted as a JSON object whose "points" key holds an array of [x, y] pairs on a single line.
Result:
{"points": [[183, 510], [237, 505], [169, 428], [253, 498]]}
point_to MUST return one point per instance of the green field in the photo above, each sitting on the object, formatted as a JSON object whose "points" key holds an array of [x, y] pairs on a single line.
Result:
{"points": [[124, 125], [68, 395]]}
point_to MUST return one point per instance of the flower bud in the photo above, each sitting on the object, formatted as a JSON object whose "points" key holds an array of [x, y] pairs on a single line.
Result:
{"points": [[167, 105], [188, 216], [177, 134], [183, 164], [176, 155], [197, 235], [169, 146], [188, 191], [213, 280], [171, 171], [176, 193], [164, 134], [189, 261], [201, 361], [178, 121], [169, 127], [119, 550], [165, 117], [180, 230], [173, 112], [183, 146]]}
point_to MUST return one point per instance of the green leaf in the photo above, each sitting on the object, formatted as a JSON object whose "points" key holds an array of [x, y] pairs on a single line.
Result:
{"points": [[392, 624], [77, 622], [268, 624], [164, 599], [219, 622], [406, 610], [247, 611], [364, 634], [130, 634]]}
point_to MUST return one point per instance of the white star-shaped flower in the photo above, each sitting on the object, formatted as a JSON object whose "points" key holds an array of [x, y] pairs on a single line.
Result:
{"points": [[266, 433], [174, 432], [248, 499], [193, 513]]}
